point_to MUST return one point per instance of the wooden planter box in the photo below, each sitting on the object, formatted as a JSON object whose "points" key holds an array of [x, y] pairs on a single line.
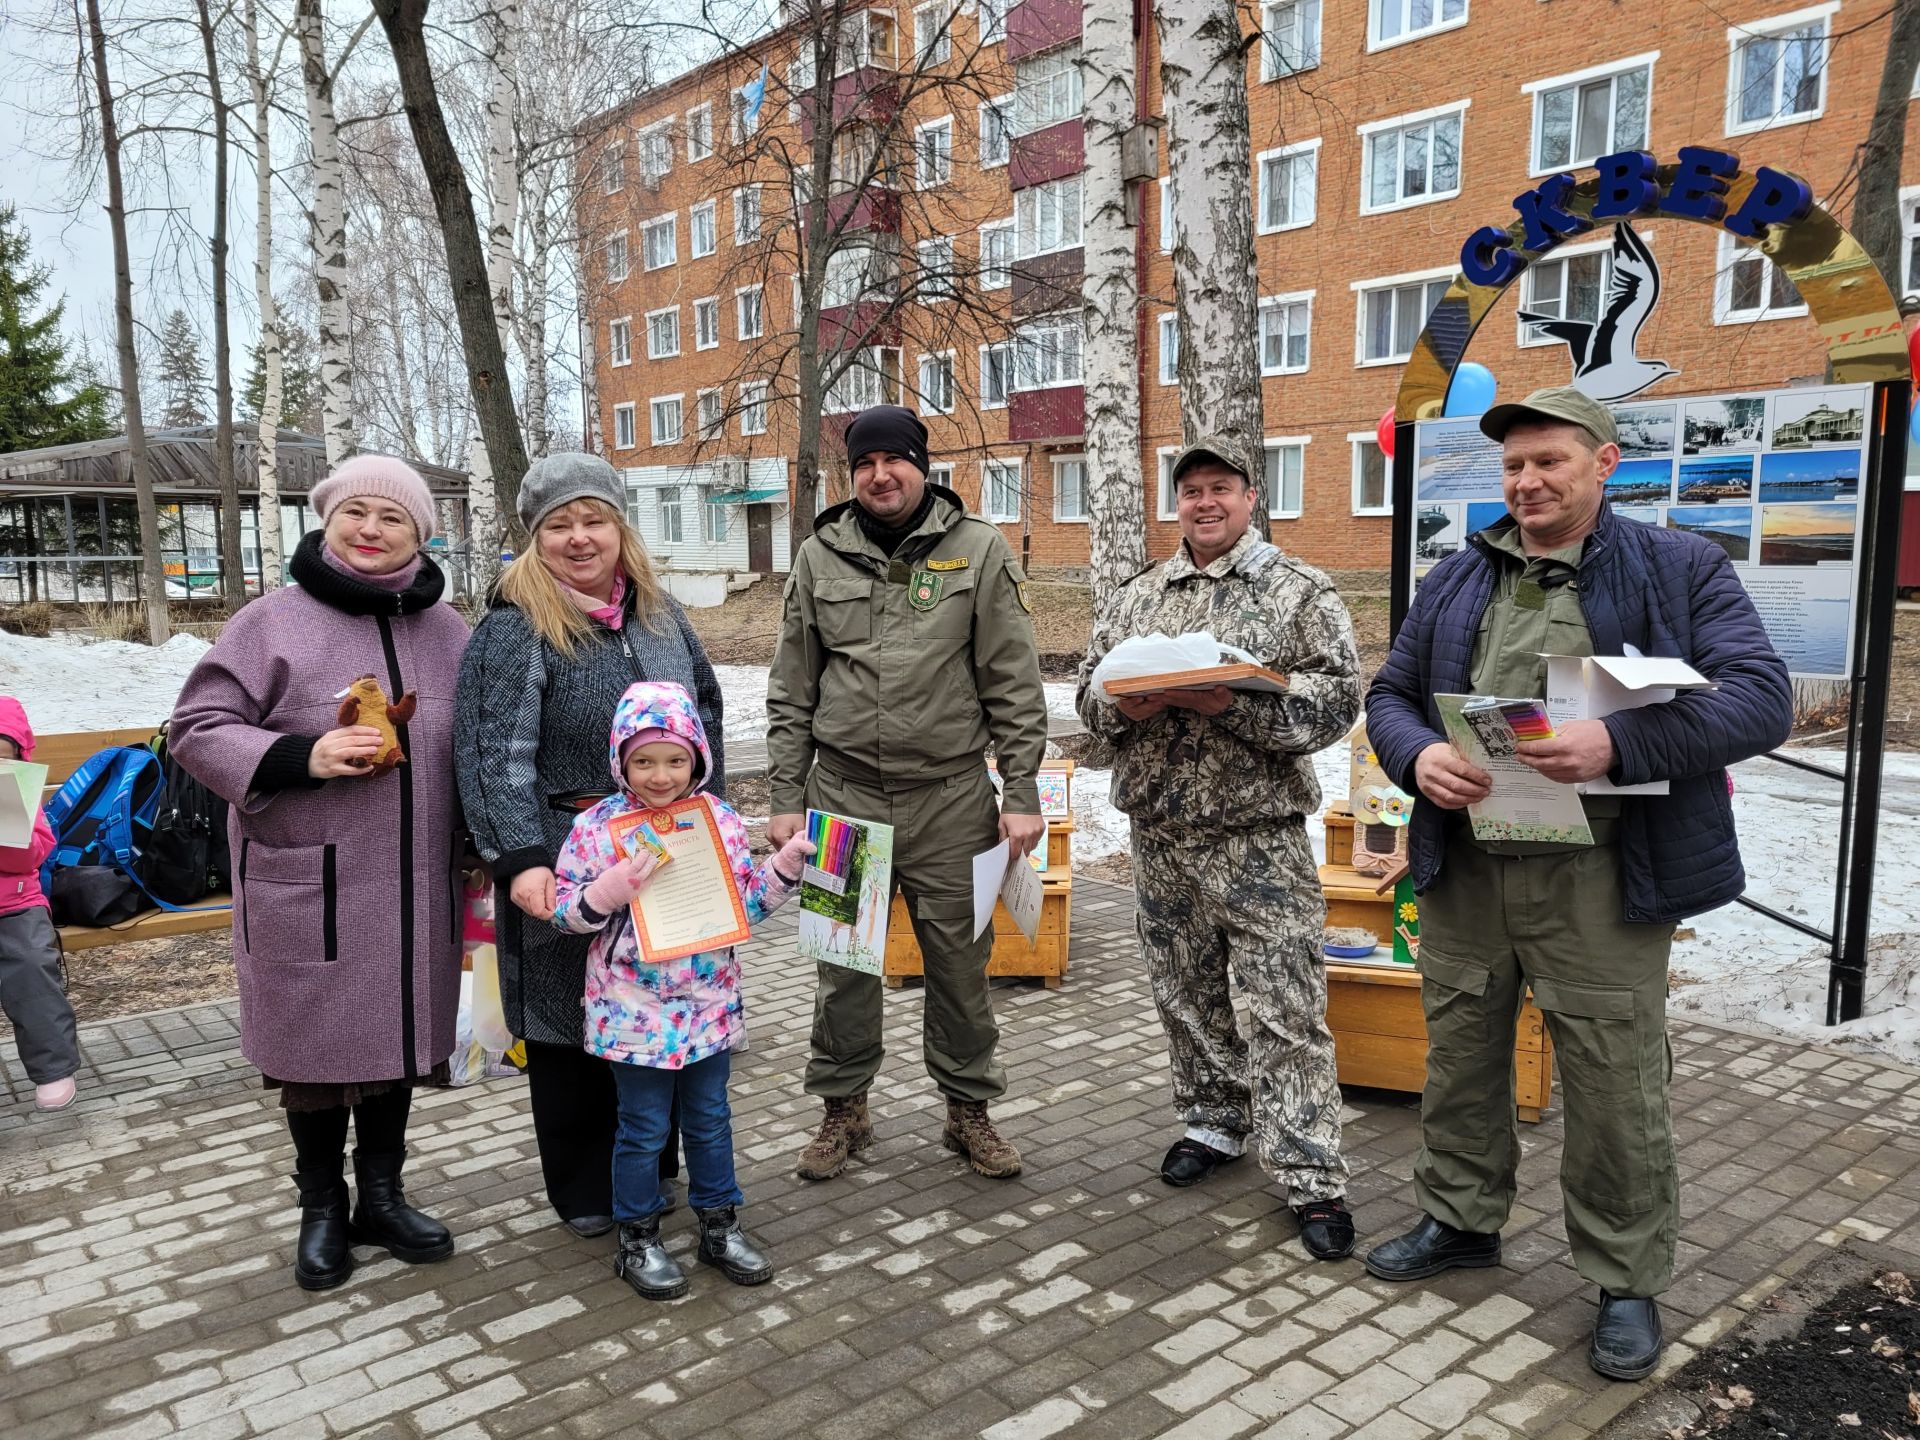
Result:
{"points": [[1045, 958]]}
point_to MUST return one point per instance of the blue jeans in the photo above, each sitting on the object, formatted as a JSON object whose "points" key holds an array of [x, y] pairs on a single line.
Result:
{"points": [[706, 1131]]}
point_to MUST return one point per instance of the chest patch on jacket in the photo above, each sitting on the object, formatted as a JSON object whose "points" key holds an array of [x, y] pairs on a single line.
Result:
{"points": [[923, 591]]}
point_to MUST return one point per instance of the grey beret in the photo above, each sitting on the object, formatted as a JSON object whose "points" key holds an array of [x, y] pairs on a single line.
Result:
{"points": [[557, 480]]}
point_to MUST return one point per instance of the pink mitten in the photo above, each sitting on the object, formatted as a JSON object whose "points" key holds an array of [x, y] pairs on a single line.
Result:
{"points": [[615, 887], [791, 857]]}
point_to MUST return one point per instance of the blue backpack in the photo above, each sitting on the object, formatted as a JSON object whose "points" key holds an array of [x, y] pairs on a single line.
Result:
{"points": [[103, 814]]}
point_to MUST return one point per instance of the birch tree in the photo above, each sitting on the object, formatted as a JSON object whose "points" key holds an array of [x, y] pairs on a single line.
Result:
{"points": [[1203, 84], [153, 581], [233, 575], [501, 22], [266, 456], [327, 233], [1110, 304]]}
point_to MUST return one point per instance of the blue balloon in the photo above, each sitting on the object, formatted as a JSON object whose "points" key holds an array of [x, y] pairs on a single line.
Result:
{"points": [[1471, 392], [1913, 422]]}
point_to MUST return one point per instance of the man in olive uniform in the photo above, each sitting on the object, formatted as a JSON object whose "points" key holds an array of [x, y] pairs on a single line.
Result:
{"points": [[1218, 784], [1589, 928], [906, 645]]}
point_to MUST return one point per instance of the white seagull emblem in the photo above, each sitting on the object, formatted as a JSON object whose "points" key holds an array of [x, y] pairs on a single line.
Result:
{"points": [[1605, 363]]}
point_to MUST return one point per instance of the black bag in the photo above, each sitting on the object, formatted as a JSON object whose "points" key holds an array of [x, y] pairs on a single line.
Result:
{"points": [[186, 858], [93, 895]]}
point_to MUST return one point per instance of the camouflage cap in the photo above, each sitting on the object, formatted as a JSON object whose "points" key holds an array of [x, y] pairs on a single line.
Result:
{"points": [[1215, 448], [1556, 402]]}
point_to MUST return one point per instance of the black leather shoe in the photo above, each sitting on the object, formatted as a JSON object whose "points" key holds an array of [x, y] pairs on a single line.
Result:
{"points": [[1326, 1228], [321, 1259], [588, 1226], [1626, 1338], [1189, 1162], [726, 1247], [643, 1262], [381, 1215], [1431, 1247]]}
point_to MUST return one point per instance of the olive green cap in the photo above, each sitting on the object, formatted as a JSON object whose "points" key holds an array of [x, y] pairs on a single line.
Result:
{"points": [[1211, 447], [1556, 402]]}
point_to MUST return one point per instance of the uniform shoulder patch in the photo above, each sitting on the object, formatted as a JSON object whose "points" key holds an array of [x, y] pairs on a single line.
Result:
{"points": [[958, 562], [1020, 593]]}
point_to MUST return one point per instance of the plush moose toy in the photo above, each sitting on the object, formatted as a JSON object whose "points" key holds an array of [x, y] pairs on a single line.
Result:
{"points": [[367, 704]]}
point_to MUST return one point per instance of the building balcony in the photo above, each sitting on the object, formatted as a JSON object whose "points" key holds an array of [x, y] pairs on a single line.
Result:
{"points": [[1045, 283], [1034, 26], [870, 209], [869, 93], [865, 322], [1046, 155], [1050, 416]]}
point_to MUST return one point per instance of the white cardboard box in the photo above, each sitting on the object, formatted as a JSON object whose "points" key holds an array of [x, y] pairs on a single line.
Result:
{"points": [[1589, 688]]}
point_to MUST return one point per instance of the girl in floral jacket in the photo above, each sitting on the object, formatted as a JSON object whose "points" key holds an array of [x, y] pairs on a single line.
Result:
{"points": [[668, 1026]]}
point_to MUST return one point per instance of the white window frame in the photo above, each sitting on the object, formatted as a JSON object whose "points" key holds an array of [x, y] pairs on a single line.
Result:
{"points": [[1030, 209], [674, 507], [1001, 107], [740, 330], [1276, 303], [1355, 440], [739, 127], [933, 45], [1407, 37], [871, 385], [620, 341], [625, 250], [656, 142], [1029, 340], [705, 426], [1275, 511], [613, 167], [670, 224], [1165, 506], [1602, 248], [999, 277], [1769, 29], [1048, 89], [706, 210], [1374, 131], [713, 518], [710, 307], [655, 414], [932, 159], [1729, 253], [1362, 288], [1165, 182], [1538, 90], [1005, 349], [1271, 66], [753, 407], [625, 412], [653, 352], [742, 233], [938, 281], [1002, 464], [700, 129], [854, 273], [1167, 349], [1310, 150], [1058, 461], [926, 403], [993, 20], [1910, 239]]}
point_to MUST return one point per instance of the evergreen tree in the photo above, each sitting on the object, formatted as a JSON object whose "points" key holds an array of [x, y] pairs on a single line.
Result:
{"points": [[45, 399], [183, 381], [299, 382]]}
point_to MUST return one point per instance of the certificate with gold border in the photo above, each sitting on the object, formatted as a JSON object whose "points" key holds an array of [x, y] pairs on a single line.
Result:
{"points": [[691, 903]]}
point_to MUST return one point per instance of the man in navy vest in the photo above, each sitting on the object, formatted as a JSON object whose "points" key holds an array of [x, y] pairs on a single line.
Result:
{"points": [[1588, 928]]}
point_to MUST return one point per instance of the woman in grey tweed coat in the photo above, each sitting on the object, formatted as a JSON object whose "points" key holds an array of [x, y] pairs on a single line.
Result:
{"points": [[575, 620]]}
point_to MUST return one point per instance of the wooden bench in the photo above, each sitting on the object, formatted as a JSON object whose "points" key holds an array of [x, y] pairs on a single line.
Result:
{"points": [[62, 755]]}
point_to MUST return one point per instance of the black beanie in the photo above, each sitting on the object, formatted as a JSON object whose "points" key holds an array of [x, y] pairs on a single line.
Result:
{"points": [[891, 428]]}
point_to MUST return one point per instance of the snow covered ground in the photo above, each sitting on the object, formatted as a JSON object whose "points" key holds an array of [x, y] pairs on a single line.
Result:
{"points": [[1731, 967]]}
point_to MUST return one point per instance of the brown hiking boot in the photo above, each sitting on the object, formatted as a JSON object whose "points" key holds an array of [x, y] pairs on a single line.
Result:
{"points": [[844, 1131], [970, 1133]]}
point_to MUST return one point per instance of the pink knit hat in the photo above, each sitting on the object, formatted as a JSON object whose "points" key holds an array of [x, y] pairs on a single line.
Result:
{"points": [[382, 477], [654, 736]]}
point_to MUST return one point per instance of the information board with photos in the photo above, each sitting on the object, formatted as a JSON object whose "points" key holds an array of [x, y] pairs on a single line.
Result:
{"points": [[1773, 477]]}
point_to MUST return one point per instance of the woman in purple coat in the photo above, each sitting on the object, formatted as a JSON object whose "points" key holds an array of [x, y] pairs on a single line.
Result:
{"points": [[346, 919]]}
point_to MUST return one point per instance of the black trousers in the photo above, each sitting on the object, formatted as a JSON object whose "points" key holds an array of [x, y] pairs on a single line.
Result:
{"points": [[575, 1109], [379, 1124]]}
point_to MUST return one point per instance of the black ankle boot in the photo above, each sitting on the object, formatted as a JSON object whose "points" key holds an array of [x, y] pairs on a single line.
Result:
{"points": [[381, 1215], [726, 1247], [643, 1262], [321, 1259]]}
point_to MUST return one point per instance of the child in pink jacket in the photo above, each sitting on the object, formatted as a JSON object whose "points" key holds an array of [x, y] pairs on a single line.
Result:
{"points": [[669, 1027], [30, 988]]}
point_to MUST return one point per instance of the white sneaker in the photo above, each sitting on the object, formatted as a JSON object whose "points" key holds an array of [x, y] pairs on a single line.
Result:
{"points": [[54, 1095]]}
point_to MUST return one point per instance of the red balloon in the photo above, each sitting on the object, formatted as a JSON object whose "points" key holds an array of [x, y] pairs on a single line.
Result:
{"points": [[1913, 350], [1383, 432]]}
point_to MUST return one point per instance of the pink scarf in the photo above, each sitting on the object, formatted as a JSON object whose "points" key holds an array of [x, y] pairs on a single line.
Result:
{"points": [[607, 614], [395, 581]]}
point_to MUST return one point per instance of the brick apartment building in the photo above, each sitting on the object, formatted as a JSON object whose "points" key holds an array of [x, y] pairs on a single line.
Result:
{"points": [[1383, 132]]}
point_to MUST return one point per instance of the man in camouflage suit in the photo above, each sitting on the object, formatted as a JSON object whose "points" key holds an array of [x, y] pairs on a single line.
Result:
{"points": [[1218, 783]]}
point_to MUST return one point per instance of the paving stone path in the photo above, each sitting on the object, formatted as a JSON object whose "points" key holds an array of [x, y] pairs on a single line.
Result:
{"points": [[145, 1250]]}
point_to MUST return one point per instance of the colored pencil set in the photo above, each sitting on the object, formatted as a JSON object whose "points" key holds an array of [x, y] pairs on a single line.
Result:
{"points": [[833, 843], [1528, 720]]}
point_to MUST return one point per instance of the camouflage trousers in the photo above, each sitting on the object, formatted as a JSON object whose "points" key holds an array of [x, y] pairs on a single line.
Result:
{"points": [[1246, 904]]}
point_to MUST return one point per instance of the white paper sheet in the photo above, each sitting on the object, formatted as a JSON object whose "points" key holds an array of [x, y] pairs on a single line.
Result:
{"points": [[999, 875], [21, 782], [989, 869]]}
